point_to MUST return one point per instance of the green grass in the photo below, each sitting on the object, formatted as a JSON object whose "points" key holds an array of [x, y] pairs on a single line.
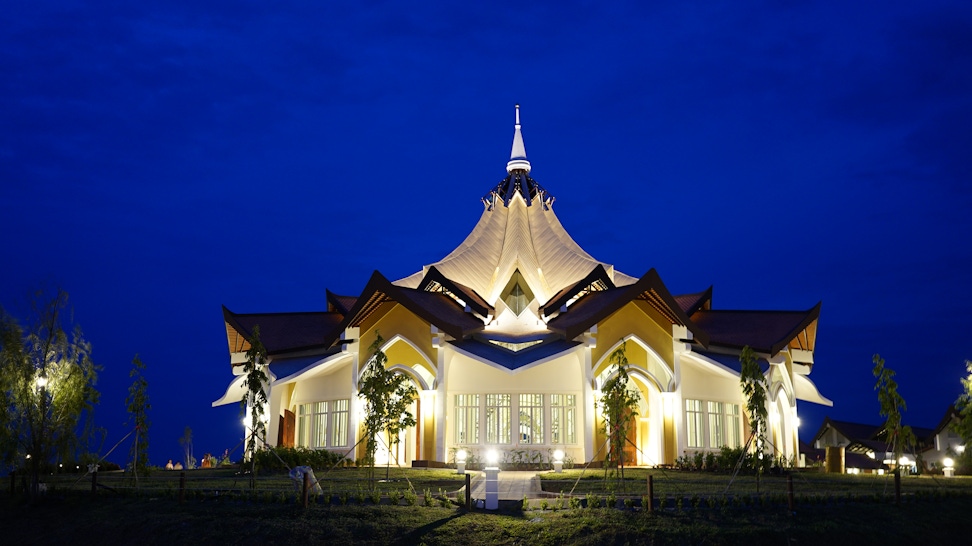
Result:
{"points": [[74, 518], [206, 482], [669, 483]]}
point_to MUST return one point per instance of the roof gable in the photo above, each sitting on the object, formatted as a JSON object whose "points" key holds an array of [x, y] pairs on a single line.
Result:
{"points": [[597, 306], [433, 307]]}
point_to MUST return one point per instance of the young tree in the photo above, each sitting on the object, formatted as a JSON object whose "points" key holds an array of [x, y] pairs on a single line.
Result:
{"points": [[620, 407], [186, 443], [138, 406], [753, 384], [892, 404], [387, 396], [255, 399], [47, 379]]}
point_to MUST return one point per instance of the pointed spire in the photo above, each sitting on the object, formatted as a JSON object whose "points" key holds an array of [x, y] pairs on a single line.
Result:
{"points": [[518, 160]]}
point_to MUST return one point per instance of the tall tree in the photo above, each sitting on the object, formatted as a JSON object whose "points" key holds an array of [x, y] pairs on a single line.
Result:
{"points": [[138, 407], [48, 381], [387, 396], [753, 384], [620, 407], [255, 399], [898, 436]]}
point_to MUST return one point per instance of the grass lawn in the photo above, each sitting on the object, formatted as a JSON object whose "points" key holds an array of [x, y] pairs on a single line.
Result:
{"points": [[75, 518]]}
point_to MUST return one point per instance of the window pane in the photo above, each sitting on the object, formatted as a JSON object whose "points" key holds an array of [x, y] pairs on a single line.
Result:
{"points": [[733, 426], [693, 423], [303, 425], [716, 437], [467, 418], [498, 418], [320, 425], [562, 419], [531, 418], [339, 423]]}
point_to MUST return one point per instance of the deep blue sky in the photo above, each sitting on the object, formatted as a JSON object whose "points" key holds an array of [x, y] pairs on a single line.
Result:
{"points": [[159, 161]]}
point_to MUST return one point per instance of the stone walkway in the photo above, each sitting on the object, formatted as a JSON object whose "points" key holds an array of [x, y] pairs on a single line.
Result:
{"points": [[513, 485]]}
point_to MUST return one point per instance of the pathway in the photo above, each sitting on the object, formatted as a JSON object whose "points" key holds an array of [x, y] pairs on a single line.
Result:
{"points": [[513, 485]]}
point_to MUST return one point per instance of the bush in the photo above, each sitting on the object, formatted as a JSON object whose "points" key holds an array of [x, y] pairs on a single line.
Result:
{"points": [[319, 459]]}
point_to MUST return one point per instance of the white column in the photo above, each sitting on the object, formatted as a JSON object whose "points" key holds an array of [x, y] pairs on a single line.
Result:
{"points": [[587, 373], [353, 335], [438, 343]]}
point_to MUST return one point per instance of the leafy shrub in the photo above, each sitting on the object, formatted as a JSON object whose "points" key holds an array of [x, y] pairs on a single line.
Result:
{"points": [[410, 497], [319, 459]]}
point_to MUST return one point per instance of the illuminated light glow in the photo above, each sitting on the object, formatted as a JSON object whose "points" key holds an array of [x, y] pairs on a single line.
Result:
{"points": [[960, 449], [904, 461], [880, 472], [949, 463], [796, 421], [558, 455], [492, 457], [41, 381], [668, 399], [461, 455]]}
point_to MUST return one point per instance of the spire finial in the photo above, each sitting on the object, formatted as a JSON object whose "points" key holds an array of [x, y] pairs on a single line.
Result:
{"points": [[518, 160]]}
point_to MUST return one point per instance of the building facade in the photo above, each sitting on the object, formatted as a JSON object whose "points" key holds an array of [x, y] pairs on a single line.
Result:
{"points": [[508, 341]]}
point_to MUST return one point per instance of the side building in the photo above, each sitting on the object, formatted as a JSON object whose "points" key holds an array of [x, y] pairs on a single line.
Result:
{"points": [[507, 340]]}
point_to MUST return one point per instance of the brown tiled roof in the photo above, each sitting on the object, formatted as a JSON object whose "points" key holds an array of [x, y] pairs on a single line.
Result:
{"points": [[339, 304], [281, 332], [434, 308], [763, 331], [690, 303], [596, 306]]}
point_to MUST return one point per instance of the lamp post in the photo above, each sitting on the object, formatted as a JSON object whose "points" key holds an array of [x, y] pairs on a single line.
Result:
{"points": [[949, 467], [558, 460], [492, 480]]}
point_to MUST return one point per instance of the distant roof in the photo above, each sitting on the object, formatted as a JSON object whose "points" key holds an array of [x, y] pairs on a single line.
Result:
{"points": [[281, 332], [339, 304], [690, 303]]}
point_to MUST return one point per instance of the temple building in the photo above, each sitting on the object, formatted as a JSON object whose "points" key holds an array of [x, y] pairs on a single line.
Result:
{"points": [[508, 341]]}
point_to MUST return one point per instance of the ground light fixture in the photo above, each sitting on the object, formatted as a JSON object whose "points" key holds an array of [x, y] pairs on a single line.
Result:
{"points": [[492, 479], [558, 460], [949, 467], [461, 461]]}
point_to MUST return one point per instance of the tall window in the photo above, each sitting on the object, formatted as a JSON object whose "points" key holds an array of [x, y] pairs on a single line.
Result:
{"points": [[467, 418], [498, 419], [693, 423], [316, 419], [716, 436], [562, 408], [339, 423], [733, 426], [531, 418]]}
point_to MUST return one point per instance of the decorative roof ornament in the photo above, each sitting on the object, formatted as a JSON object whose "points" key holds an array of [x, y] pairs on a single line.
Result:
{"points": [[518, 158], [518, 177]]}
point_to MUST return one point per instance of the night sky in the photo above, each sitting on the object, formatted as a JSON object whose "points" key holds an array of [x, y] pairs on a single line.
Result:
{"points": [[159, 161]]}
